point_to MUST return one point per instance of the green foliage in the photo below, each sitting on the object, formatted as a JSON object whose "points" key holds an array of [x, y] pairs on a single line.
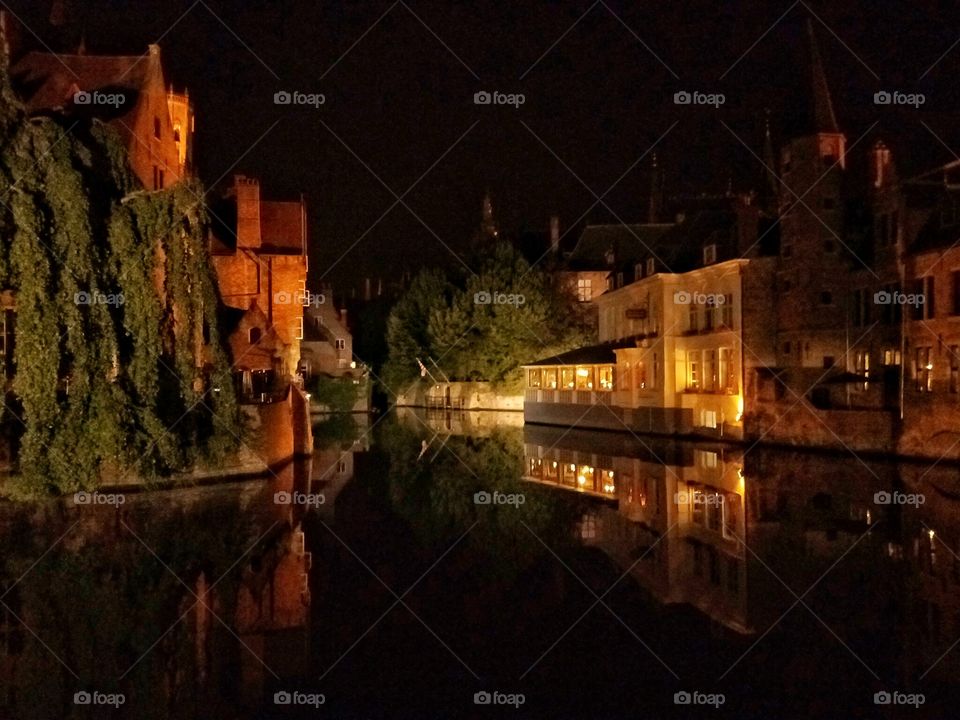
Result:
{"points": [[337, 394], [100, 383], [439, 318]]}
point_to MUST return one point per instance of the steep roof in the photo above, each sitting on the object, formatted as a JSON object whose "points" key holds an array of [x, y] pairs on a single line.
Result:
{"points": [[282, 226], [605, 247], [821, 118], [47, 82]]}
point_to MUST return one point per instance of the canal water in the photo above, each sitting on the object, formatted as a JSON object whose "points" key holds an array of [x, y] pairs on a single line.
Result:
{"points": [[465, 566]]}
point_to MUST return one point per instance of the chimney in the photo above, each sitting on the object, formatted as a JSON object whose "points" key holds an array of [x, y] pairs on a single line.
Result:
{"points": [[880, 155], [343, 317], [248, 211], [366, 288], [555, 234]]}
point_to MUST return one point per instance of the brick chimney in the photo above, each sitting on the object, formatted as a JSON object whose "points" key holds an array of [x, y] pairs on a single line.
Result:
{"points": [[247, 191]]}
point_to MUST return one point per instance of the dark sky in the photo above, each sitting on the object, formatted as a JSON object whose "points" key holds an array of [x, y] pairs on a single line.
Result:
{"points": [[598, 99]]}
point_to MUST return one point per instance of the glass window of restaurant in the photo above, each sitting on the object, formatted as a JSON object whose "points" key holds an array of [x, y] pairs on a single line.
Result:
{"points": [[584, 378], [567, 378], [550, 378], [533, 378], [605, 377]]}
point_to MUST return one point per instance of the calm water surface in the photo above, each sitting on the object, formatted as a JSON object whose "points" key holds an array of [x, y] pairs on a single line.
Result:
{"points": [[595, 575]]}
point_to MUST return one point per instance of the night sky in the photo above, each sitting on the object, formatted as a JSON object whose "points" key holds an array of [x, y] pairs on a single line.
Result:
{"points": [[597, 100]]}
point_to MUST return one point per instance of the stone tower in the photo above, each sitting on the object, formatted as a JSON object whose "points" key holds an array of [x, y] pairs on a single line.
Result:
{"points": [[182, 119], [811, 307]]}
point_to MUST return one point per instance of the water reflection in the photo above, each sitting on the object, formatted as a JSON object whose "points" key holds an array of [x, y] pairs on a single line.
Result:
{"points": [[762, 574]]}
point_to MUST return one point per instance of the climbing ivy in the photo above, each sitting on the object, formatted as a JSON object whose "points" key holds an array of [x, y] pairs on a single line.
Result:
{"points": [[119, 368]]}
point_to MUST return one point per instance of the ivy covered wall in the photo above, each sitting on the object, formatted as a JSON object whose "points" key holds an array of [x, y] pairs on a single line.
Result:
{"points": [[114, 299]]}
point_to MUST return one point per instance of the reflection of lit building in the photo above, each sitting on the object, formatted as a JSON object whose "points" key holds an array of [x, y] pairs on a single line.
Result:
{"points": [[681, 509]]}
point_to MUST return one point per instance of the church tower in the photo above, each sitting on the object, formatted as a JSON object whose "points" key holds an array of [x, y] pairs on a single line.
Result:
{"points": [[811, 307]]}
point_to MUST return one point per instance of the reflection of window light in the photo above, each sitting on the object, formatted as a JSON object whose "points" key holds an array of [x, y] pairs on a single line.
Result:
{"points": [[554, 463], [931, 533], [573, 467], [581, 480], [582, 372]]}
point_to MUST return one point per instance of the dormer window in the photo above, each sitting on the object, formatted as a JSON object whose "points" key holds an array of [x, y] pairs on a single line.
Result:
{"points": [[637, 271], [255, 335], [651, 266], [610, 257], [156, 128], [709, 254]]}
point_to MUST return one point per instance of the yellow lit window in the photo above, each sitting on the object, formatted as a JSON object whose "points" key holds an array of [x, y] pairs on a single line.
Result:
{"points": [[550, 378], [533, 378], [584, 378], [605, 377], [567, 378]]}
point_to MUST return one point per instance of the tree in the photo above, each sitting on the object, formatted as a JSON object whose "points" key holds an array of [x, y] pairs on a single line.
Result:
{"points": [[483, 326]]}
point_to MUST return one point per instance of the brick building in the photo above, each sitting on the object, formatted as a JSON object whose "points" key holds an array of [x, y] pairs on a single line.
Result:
{"points": [[129, 93], [259, 253]]}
